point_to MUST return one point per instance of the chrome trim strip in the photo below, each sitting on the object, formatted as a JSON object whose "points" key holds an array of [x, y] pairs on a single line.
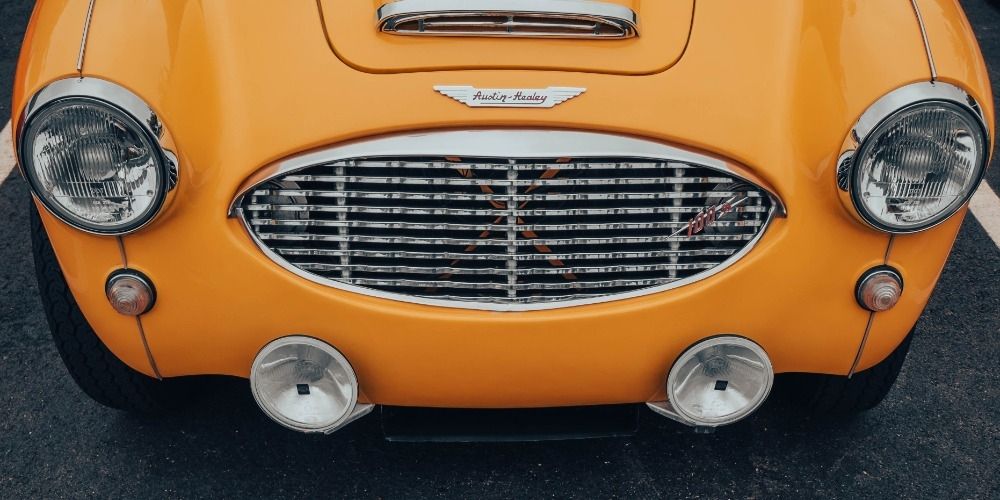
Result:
{"points": [[886, 106], [83, 41], [503, 166], [145, 346], [121, 251], [462, 211], [609, 14], [927, 43], [108, 93], [503, 144], [403, 195], [494, 227], [884, 268], [861, 348], [402, 254], [407, 283], [437, 181], [490, 271], [616, 240]]}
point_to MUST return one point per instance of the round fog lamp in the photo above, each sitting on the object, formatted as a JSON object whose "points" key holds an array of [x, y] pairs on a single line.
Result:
{"points": [[304, 384], [879, 289], [130, 293], [720, 380]]}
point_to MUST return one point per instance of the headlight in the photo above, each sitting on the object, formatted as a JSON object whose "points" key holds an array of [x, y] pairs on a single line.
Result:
{"points": [[919, 154], [89, 158]]}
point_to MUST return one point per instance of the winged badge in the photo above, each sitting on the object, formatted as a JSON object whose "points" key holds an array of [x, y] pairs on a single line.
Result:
{"points": [[509, 98]]}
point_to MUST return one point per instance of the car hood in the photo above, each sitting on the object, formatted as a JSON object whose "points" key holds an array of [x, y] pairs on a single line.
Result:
{"points": [[354, 37], [240, 84]]}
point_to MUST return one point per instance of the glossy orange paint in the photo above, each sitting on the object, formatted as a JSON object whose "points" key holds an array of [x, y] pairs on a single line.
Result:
{"points": [[921, 256], [773, 87], [348, 27], [86, 261]]}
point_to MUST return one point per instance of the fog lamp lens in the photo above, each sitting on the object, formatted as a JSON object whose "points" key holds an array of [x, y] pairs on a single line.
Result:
{"points": [[879, 289], [130, 293], [304, 384], [720, 380]]}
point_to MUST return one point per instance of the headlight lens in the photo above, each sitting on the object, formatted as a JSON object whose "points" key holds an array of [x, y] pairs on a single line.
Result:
{"points": [[93, 165], [918, 166]]}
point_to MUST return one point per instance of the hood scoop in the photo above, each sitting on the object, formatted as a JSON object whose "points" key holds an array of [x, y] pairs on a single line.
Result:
{"points": [[509, 18], [619, 37]]}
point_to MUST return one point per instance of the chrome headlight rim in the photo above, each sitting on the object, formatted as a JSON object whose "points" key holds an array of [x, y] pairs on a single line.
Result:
{"points": [[873, 120], [116, 99]]}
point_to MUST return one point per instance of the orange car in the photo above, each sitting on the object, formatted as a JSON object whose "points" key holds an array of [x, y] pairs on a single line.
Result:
{"points": [[496, 204]]}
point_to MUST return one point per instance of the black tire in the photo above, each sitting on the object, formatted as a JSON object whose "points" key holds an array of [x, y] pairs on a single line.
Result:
{"points": [[838, 396], [98, 372]]}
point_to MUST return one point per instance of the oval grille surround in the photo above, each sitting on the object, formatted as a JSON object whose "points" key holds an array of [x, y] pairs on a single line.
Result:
{"points": [[517, 233]]}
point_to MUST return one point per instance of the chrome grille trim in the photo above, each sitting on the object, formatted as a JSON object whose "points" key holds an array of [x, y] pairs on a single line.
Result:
{"points": [[492, 256], [422, 181], [508, 18], [322, 266], [504, 167], [342, 231], [493, 227], [491, 197], [576, 285], [498, 241], [448, 211]]}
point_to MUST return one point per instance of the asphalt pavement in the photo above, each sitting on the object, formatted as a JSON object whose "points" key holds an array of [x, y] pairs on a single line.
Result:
{"points": [[936, 436]]}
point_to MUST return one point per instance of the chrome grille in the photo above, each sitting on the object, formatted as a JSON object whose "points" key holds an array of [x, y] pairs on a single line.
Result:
{"points": [[508, 18], [498, 233]]}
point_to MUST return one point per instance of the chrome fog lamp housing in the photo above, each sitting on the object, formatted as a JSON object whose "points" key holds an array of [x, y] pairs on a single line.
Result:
{"points": [[306, 385], [717, 381], [914, 158], [96, 156]]}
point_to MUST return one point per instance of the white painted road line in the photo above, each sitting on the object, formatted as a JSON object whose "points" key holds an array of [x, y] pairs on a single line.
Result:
{"points": [[986, 207], [985, 204], [6, 152]]}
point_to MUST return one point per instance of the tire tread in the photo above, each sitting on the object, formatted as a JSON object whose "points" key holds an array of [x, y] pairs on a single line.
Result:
{"points": [[840, 395], [94, 368]]}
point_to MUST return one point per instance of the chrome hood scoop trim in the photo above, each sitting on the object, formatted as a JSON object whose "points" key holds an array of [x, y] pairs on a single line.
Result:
{"points": [[509, 18]]}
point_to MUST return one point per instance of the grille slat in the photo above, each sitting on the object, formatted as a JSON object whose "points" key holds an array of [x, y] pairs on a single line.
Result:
{"points": [[487, 164], [611, 226], [573, 212], [499, 240], [437, 181], [521, 271], [327, 252], [516, 231], [373, 195], [474, 285]]}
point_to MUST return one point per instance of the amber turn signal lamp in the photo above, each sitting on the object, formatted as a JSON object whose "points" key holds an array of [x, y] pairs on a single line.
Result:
{"points": [[879, 289], [130, 292]]}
